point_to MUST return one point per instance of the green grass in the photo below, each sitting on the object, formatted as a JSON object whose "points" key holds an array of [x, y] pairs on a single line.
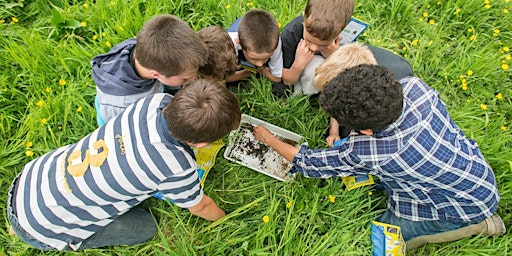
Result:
{"points": [[44, 58]]}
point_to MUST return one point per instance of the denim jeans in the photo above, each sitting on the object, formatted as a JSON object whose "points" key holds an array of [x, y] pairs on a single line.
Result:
{"points": [[411, 229], [134, 227]]}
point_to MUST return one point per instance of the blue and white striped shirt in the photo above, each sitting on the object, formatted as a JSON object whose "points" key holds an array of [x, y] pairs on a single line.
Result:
{"points": [[429, 168], [68, 194]]}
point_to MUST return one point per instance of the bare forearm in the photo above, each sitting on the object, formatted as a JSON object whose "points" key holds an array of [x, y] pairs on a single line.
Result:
{"points": [[238, 75], [207, 209], [286, 150], [291, 75]]}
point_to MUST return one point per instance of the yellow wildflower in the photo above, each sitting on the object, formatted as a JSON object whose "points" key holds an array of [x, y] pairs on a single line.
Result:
{"points": [[505, 10], [62, 81], [279, 24], [496, 32], [464, 87], [228, 6], [94, 37], [470, 30], [120, 28], [289, 204], [504, 66], [431, 22], [420, 19], [40, 103], [486, 1], [332, 198], [499, 96], [29, 153], [44, 121], [29, 144], [508, 57], [370, 193], [250, 4], [503, 128], [506, 1], [472, 37], [464, 80], [79, 109], [483, 106], [425, 14], [506, 49], [48, 89], [415, 42], [457, 11], [430, 42], [85, 6], [14, 20], [438, 2], [108, 44], [83, 23], [487, 6], [470, 72], [266, 219], [462, 76], [2, 21]]}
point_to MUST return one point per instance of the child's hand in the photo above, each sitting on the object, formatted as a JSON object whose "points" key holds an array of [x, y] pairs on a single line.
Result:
{"points": [[303, 55], [331, 139], [262, 134], [331, 48]]}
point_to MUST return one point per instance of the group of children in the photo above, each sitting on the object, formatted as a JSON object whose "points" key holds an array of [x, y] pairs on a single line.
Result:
{"points": [[152, 111]]}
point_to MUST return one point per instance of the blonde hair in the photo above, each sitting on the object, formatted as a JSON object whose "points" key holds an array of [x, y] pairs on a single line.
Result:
{"points": [[346, 56]]}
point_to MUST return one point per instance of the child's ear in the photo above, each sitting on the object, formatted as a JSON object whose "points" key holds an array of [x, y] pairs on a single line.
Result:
{"points": [[154, 74], [237, 40]]}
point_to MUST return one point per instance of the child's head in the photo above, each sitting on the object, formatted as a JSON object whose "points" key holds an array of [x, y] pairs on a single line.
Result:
{"points": [[363, 97], [203, 110], [347, 56], [222, 59], [258, 35], [170, 49], [324, 20]]}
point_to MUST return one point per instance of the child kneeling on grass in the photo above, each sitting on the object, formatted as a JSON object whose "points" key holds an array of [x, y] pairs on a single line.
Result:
{"points": [[440, 188], [84, 195]]}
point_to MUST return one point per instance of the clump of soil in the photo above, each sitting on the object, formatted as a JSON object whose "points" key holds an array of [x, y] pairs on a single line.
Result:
{"points": [[258, 156]]}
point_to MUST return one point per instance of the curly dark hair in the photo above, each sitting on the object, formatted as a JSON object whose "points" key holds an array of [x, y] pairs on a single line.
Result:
{"points": [[363, 97]]}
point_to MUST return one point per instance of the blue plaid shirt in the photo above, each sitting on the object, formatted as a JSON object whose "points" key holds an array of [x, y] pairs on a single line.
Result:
{"points": [[430, 170]]}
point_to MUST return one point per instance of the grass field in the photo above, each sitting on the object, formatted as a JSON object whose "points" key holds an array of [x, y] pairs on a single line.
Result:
{"points": [[459, 47]]}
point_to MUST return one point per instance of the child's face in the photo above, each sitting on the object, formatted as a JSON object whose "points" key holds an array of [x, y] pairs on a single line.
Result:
{"points": [[315, 44], [180, 79], [258, 59]]}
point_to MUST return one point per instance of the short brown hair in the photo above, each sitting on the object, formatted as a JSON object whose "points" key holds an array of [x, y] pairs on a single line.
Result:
{"points": [[258, 31], [169, 46], [222, 59], [346, 56], [203, 110], [325, 19]]}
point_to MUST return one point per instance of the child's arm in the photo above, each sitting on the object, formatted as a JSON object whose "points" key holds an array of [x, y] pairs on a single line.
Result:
{"points": [[268, 74], [334, 134], [264, 135], [207, 209], [302, 57], [239, 75]]}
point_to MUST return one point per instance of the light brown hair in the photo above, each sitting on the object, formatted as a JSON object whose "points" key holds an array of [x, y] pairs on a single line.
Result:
{"points": [[169, 46], [325, 19], [258, 31], [346, 56], [222, 59], [203, 110]]}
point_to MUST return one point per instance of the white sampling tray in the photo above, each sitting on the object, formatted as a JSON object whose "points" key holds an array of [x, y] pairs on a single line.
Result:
{"points": [[244, 149]]}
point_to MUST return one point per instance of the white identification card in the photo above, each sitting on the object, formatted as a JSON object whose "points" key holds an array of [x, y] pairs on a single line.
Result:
{"points": [[352, 31]]}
